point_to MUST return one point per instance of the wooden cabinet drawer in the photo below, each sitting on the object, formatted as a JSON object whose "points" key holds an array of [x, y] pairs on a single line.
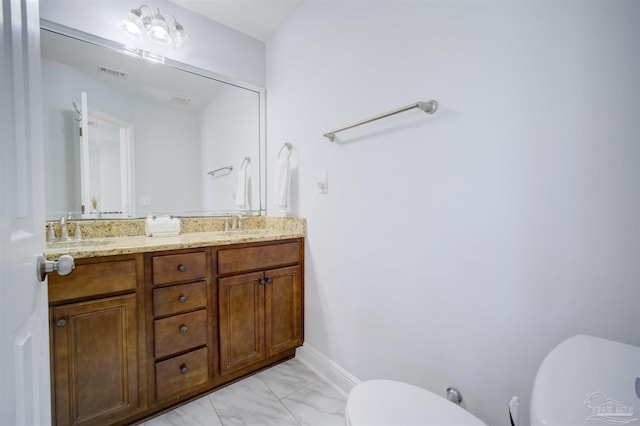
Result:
{"points": [[180, 333], [182, 373], [93, 279], [179, 298], [259, 257], [179, 267]]}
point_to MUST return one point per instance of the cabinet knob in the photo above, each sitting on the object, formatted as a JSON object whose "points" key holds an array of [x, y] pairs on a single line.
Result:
{"points": [[269, 281], [184, 369], [61, 322], [182, 268], [262, 282], [183, 329], [182, 299]]}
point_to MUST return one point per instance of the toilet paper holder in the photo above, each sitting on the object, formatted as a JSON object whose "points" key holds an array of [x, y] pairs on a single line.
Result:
{"points": [[454, 395]]}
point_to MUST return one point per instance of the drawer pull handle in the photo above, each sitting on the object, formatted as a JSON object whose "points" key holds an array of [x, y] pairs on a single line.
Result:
{"points": [[61, 322], [183, 329], [184, 369], [182, 299], [269, 281], [182, 268], [262, 282]]}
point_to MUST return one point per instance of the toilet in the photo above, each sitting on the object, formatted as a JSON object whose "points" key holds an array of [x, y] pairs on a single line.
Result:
{"points": [[387, 402], [583, 378]]}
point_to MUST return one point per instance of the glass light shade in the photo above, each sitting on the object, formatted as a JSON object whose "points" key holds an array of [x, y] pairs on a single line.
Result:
{"points": [[133, 22], [180, 39], [158, 30]]}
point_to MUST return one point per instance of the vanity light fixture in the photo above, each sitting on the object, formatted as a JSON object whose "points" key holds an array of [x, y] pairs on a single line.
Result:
{"points": [[142, 20]]}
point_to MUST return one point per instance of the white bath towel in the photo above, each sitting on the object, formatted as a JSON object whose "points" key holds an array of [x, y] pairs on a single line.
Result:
{"points": [[241, 189], [282, 190]]}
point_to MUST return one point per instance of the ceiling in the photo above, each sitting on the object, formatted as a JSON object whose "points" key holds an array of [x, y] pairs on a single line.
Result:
{"points": [[126, 74], [258, 18]]}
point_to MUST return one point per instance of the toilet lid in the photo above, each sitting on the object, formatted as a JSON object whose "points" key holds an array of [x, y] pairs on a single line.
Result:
{"points": [[387, 402]]}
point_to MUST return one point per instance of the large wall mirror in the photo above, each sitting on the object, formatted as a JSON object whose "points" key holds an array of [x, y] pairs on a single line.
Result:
{"points": [[129, 135]]}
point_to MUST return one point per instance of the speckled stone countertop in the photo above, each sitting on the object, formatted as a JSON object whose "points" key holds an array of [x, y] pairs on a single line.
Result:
{"points": [[113, 237]]}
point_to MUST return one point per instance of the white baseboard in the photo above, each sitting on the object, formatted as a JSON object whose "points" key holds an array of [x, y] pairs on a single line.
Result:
{"points": [[337, 376]]}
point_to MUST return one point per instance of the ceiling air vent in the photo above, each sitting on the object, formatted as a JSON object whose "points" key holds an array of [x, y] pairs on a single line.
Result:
{"points": [[111, 71], [179, 100]]}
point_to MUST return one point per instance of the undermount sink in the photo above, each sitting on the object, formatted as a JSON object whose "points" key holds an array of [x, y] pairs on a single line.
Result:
{"points": [[75, 243]]}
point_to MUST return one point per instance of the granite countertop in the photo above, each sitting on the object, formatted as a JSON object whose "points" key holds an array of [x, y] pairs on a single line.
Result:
{"points": [[126, 244]]}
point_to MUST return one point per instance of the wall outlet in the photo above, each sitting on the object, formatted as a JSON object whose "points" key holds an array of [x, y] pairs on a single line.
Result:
{"points": [[145, 200]]}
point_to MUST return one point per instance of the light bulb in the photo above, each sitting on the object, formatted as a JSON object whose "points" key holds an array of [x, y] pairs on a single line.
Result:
{"points": [[158, 30], [133, 22]]}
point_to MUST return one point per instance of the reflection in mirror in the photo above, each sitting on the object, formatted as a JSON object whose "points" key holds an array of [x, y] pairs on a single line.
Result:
{"points": [[106, 180], [147, 134]]}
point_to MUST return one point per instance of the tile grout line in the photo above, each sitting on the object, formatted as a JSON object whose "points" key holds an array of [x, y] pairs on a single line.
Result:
{"points": [[299, 421], [214, 409]]}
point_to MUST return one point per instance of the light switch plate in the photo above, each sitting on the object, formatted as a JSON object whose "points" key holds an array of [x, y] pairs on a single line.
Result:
{"points": [[322, 182]]}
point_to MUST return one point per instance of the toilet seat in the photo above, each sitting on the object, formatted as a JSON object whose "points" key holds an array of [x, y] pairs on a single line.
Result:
{"points": [[387, 402]]}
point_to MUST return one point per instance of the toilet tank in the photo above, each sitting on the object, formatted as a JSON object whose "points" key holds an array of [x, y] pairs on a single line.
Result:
{"points": [[587, 380]]}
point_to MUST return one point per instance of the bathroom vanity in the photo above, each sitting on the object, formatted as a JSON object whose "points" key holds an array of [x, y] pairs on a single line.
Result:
{"points": [[145, 324]]}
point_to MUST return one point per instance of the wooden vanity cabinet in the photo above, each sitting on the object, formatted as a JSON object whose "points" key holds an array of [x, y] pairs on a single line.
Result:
{"points": [[260, 305], [95, 338], [179, 324], [135, 335]]}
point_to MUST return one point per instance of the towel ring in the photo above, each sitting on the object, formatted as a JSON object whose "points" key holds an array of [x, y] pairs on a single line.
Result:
{"points": [[78, 110], [289, 148], [245, 163]]}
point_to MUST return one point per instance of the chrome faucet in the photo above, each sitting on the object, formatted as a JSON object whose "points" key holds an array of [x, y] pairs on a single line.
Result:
{"points": [[236, 223], [64, 229]]}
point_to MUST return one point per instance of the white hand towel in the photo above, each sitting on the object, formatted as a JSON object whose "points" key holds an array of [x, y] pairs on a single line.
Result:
{"points": [[282, 185], [161, 226], [241, 190]]}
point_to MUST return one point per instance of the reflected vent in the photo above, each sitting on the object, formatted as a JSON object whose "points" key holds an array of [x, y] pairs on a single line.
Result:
{"points": [[179, 100], [111, 71]]}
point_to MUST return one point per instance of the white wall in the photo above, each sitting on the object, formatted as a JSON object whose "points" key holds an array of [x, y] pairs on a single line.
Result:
{"points": [[213, 46], [167, 155], [459, 248]]}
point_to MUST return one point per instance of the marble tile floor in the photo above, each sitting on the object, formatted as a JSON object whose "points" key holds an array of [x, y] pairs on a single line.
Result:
{"points": [[287, 394]]}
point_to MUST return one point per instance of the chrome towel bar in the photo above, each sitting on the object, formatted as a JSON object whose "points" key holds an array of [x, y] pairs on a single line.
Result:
{"points": [[228, 168], [429, 107]]}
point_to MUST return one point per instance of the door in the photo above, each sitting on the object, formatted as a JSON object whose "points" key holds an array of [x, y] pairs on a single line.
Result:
{"points": [[95, 358], [85, 173], [106, 152], [283, 309], [241, 319], [24, 336]]}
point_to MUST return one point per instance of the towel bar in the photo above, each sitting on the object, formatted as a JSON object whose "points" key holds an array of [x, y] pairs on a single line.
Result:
{"points": [[213, 172], [429, 107]]}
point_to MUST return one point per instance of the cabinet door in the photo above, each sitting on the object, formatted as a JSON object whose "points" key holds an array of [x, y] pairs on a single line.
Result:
{"points": [[241, 320], [95, 360], [283, 309]]}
